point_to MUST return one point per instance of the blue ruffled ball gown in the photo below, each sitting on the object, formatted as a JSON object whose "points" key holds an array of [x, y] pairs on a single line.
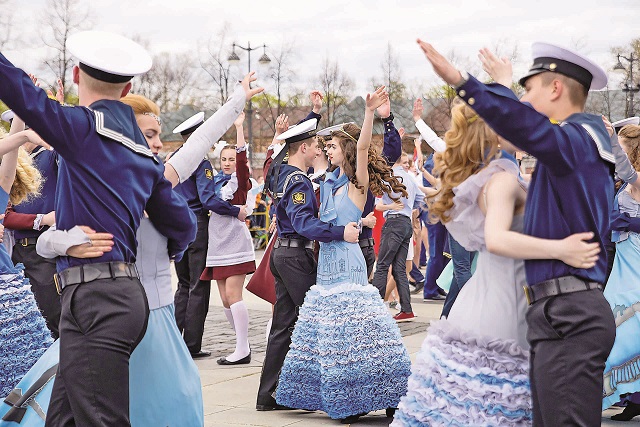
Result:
{"points": [[346, 356]]}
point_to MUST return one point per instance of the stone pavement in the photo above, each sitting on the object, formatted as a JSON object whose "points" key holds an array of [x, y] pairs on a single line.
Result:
{"points": [[229, 392]]}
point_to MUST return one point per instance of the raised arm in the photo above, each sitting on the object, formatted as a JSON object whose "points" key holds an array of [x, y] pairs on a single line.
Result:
{"points": [[392, 147], [182, 165], [426, 132], [372, 102]]}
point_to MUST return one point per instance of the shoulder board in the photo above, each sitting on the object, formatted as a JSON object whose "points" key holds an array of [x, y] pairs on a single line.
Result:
{"points": [[606, 155], [118, 137], [293, 176]]}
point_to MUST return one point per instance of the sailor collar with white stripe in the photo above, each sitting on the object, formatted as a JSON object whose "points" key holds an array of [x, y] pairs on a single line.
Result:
{"points": [[118, 137]]}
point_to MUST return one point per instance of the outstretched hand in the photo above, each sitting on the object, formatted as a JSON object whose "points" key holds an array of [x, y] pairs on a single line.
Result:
{"points": [[441, 65], [577, 252], [418, 109], [60, 92], [239, 121], [384, 110], [282, 124], [376, 99], [499, 69], [246, 85], [608, 125], [316, 100]]}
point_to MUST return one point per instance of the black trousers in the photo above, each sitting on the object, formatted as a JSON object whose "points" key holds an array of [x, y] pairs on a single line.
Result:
{"points": [[102, 322], [192, 296], [294, 270], [571, 336], [40, 273], [370, 258]]}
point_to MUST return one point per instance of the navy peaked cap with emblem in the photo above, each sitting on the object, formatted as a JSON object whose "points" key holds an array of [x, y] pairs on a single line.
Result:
{"points": [[553, 58]]}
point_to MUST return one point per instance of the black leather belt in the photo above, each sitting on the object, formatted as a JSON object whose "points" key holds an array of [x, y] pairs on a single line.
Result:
{"points": [[89, 272], [557, 286], [27, 241], [390, 216], [367, 242], [286, 242]]}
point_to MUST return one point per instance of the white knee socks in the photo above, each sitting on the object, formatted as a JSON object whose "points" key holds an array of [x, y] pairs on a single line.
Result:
{"points": [[227, 313], [240, 316]]}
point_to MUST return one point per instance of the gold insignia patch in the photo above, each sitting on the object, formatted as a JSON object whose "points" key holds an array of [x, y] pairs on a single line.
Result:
{"points": [[208, 173], [298, 198]]}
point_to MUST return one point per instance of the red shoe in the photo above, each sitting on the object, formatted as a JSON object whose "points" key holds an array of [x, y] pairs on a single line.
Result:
{"points": [[404, 317]]}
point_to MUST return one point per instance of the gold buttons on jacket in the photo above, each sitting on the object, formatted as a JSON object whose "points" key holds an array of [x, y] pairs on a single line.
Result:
{"points": [[462, 93], [471, 101]]}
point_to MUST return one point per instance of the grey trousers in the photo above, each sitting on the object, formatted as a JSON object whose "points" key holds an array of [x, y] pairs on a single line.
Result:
{"points": [[571, 336]]}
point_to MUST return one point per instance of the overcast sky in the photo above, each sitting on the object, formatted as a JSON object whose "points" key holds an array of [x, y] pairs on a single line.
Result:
{"points": [[357, 32]]}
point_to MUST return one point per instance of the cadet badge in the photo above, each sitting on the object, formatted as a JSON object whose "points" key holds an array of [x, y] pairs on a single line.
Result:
{"points": [[298, 198], [208, 173]]}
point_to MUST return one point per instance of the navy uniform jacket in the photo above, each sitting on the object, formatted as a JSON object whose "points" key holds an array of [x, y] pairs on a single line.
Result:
{"points": [[192, 188], [107, 175], [46, 161], [571, 189], [297, 210]]}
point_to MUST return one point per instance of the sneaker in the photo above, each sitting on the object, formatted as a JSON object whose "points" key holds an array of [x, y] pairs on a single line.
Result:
{"points": [[417, 288], [404, 317], [393, 304]]}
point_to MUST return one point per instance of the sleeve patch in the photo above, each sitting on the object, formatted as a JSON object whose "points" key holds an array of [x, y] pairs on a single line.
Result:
{"points": [[298, 198], [208, 173]]}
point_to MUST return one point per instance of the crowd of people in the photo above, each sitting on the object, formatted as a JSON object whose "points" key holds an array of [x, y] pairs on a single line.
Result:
{"points": [[539, 323]]}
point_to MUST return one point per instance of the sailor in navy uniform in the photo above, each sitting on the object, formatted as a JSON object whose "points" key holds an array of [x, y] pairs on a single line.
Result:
{"points": [[107, 178], [292, 261], [192, 295], [29, 220], [571, 326]]}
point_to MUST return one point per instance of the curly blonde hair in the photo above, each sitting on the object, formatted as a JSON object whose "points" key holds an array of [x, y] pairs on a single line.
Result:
{"points": [[381, 178], [28, 180], [630, 136], [471, 145]]}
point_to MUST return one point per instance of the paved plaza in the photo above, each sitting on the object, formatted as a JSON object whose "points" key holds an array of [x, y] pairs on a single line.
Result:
{"points": [[229, 392]]}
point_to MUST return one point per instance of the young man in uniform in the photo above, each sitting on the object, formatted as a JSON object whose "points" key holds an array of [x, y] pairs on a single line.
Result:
{"points": [[571, 326], [292, 262], [107, 179]]}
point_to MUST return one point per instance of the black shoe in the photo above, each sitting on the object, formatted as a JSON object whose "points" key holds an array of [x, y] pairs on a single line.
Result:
{"points": [[352, 418], [436, 297], [391, 412], [270, 405], [418, 287], [243, 361], [442, 292], [200, 354], [630, 411]]}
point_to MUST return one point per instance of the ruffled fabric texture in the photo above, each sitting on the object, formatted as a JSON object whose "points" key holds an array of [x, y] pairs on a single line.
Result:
{"points": [[347, 356], [467, 224], [24, 336], [462, 379]]}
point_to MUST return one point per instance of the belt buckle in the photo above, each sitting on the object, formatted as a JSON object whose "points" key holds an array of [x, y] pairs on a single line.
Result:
{"points": [[57, 283], [25, 242], [527, 294]]}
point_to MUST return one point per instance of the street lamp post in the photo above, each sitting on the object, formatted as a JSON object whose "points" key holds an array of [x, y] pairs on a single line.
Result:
{"points": [[264, 60], [629, 87]]}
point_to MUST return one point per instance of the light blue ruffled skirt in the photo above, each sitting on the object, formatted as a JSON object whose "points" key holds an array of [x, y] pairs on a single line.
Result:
{"points": [[24, 336], [460, 379], [622, 371], [346, 356], [164, 383]]}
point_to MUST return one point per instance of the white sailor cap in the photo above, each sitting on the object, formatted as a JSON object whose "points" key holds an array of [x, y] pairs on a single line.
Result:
{"points": [[109, 57], [628, 121], [549, 57], [7, 116], [334, 128], [299, 132], [191, 124]]}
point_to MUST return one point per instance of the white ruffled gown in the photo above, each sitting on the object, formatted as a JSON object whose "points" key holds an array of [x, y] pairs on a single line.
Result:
{"points": [[473, 367]]}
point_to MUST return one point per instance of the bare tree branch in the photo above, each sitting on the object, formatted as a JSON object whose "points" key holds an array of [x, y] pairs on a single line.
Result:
{"points": [[336, 87]]}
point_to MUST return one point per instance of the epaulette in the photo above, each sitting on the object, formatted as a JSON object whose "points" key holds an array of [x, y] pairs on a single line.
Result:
{"points": [[294, 177]]}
